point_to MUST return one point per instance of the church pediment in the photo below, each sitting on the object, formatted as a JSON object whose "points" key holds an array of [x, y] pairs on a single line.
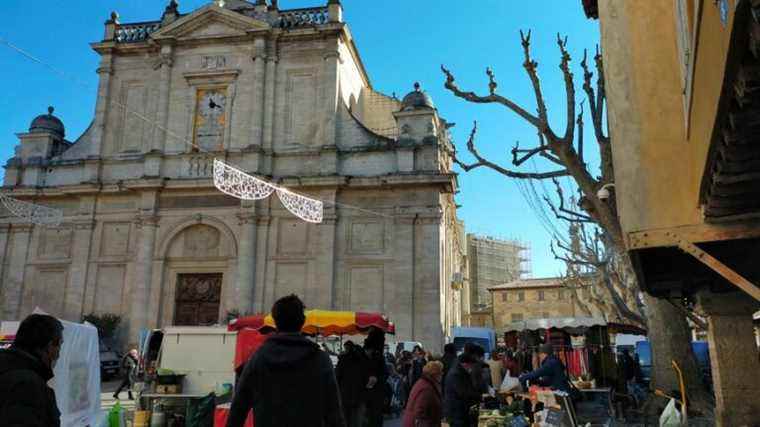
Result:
{"points": [[211, 21]]}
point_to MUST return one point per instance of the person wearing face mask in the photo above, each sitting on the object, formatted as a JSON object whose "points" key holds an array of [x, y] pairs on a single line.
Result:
{"points": [[25, 368]]}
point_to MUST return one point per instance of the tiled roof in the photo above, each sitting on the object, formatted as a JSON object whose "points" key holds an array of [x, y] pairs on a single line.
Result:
{"points": [[292, 18], [545, 282]]}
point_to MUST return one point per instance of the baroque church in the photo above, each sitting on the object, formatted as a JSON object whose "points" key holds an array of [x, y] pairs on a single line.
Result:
{"points": [[280, 94]]}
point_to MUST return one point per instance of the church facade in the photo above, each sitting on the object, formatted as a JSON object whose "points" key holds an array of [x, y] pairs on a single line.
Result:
{"points": [[280, 94]]}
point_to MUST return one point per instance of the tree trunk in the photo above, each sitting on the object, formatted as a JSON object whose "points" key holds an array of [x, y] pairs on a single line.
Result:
{"points": [[670, 338]]}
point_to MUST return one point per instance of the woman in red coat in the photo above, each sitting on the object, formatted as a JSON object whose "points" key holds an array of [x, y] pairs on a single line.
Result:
{"points": [[424, 407]]}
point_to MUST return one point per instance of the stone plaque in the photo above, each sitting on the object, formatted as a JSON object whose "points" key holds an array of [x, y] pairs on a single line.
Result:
{"points": [[367, 237], [302, 100], [213, 62], [201, 241], [55, 243], [109, 289], [290, 278], [292, 237], [114, 240], [366, 288]]}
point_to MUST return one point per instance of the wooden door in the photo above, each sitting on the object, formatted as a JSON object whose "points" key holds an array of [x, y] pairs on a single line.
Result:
{"points": [[197, 299]]}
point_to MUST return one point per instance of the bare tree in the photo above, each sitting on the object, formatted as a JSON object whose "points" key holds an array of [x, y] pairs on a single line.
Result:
{"points": [[564, 152]]}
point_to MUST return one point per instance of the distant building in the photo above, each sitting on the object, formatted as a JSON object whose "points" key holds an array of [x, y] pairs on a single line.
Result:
{"points": [[493, 262]]}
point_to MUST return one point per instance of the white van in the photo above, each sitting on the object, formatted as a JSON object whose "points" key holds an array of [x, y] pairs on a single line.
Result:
{"points": [[204, 354]]}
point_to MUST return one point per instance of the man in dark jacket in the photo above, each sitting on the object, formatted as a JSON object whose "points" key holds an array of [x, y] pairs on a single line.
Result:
{"points": [[25, 369], [550, 374], [129, 370], [378, 375], [353, 375], [449, 360], [460, 393], [289, 382]]}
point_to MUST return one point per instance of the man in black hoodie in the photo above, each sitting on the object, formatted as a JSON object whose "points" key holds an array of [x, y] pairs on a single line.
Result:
{"points": [[289, 381], [25, 369]]}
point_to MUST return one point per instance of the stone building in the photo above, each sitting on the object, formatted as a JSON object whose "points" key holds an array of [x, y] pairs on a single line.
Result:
{"points": [[526, 299], [493, 262], [281, 94], [681, 79]]}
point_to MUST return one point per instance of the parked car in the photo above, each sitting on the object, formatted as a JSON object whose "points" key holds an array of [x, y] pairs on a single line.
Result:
{"points": [[109, 362]]}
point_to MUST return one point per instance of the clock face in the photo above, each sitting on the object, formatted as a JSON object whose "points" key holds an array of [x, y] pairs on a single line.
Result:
{"points": [[210, 119]]}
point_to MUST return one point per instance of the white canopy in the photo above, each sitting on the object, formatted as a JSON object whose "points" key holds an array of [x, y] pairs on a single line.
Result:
{"points": [[572, 325]]}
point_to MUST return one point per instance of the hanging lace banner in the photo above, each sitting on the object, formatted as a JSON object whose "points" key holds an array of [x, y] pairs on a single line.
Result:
{"points": [[239, 184], [31, 212], [307, 209]]}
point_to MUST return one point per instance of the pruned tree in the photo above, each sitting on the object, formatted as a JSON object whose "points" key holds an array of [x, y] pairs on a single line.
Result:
{"points": [[564, 151]]}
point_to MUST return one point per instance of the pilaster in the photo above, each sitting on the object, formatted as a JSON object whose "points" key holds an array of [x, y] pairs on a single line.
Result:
{"points": [[325, 265], [269, 93], [143, 272], [105, 72], [259, 59], [262, 247], [165, 62], [246, 280], [330, 63], [13, 286], [80, 256]]}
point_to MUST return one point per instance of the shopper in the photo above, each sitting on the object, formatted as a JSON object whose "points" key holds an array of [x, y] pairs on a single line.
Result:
{"points": [[129, 370], [551, 373], [25, 369], [418, 362], [497, 369], [289, 381], [481, 373], [352, 376], [461, 393], [425, 407], [376, 390]]}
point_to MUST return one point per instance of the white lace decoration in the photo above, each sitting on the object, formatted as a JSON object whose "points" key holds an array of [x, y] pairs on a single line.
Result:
{"points": [[236, 183], [33, 213], [309, 210]]}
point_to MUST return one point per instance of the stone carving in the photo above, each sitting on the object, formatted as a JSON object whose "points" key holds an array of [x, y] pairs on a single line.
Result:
{"points": [[213, 62], [201, 241], [366, 288], [109, 289], [114, 239], [367, 237], [292, 237], [55, 243]]}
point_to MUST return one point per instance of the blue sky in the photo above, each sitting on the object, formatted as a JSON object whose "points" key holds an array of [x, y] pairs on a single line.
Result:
{"points": [[401, 41]]}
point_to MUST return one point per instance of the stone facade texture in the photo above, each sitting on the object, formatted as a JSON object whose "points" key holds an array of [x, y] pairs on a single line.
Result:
{"points": [[279, 94]]}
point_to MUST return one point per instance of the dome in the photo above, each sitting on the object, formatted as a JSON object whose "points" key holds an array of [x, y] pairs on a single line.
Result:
{"points": [[417, 99], [48, 123]]}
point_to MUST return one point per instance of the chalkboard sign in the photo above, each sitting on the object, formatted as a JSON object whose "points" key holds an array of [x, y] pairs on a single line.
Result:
{"points": [[554, 417]]}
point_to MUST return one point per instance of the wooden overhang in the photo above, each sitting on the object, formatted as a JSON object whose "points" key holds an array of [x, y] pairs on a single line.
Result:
{"points": [[719, 255]]}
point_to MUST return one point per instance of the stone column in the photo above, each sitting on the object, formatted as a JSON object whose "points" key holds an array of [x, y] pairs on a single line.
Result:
{"points": [[246, 277], [13, 285], [5, 231], [733, 356], [401, 308], [80, 257], [331, 60], [269, 94], [165, 62], [325, 280], [143, 273], [262, 252], [428, 328], [257, 92]]}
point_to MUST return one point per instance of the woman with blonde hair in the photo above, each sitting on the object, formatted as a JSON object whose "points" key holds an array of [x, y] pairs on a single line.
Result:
{"points": [[424, 407]]}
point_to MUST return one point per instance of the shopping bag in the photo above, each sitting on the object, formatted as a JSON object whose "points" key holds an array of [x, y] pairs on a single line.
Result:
{"points": [[116, 416], [509, 382], [670, 417]]}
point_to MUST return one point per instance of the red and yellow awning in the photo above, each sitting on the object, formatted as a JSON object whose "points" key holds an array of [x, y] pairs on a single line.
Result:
{"points": [[321, 322]]}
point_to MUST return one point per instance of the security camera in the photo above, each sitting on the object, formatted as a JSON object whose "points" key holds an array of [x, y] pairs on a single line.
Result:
{"points": [[603, 193]]}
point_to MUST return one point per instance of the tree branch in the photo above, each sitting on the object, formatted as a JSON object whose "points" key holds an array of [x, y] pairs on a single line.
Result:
{"points": [[489, 99], [564, 65], [482, 161]]}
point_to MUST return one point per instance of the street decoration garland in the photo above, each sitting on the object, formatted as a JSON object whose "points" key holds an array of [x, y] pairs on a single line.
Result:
{"points": [[236, 183], [32, 212]]}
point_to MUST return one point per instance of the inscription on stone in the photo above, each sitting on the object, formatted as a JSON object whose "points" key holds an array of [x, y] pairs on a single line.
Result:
{"points": [[213, 62]]}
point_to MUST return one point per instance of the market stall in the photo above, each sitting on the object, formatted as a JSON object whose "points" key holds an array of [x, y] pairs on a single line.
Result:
{"points": [[583, 345], [252, 332]]}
